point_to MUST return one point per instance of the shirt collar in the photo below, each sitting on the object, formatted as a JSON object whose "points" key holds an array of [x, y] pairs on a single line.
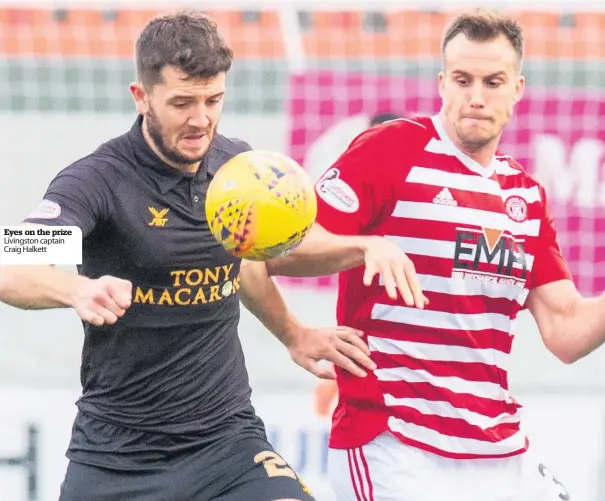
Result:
{"points": [[163, 175]]}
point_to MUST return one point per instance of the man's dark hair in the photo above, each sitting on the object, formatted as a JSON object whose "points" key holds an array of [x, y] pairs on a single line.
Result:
{"points": [[485, 25], [188, 40], [382, 117]]}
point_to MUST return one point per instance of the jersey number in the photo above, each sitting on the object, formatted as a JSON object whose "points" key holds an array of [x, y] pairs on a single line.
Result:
{"points": [[545, 472], [274, 464]]}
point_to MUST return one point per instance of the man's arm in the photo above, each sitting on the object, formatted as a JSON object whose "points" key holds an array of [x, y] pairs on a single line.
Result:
{"points": [[262, 298], [307, 346], [78, 196], [353, 196], [571, 326], [324, 253], [100, 301], [37, 287], [334, 243]]}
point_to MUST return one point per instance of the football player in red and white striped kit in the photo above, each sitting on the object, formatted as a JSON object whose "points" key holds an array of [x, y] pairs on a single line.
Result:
{"points": [[435, 419]]}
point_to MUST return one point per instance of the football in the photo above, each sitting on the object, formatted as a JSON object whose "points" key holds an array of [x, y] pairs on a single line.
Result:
{"points": [[260, 205]]}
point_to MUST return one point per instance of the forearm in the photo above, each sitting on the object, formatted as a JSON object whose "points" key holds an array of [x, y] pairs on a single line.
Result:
{"points": [[38, 287], [261, 297], [321, 253]]}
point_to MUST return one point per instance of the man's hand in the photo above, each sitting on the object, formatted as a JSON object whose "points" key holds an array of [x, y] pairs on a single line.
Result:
{"points": [[386, 259], [103, 300], [342, 346]]}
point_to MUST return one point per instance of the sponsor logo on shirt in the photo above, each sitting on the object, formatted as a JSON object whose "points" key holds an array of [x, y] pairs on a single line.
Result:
{"points": [[192, 287], [159, 217], [336, 192], [46, 209], [505, 254]]}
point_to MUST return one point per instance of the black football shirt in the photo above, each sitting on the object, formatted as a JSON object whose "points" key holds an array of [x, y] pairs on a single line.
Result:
{"points": [[173, 364]]}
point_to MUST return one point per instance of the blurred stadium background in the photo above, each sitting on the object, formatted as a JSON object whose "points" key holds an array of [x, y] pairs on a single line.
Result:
{"points": [[308, 76]]}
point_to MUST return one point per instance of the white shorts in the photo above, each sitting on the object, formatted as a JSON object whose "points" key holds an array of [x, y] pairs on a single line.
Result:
{"points": [[385, 469]]}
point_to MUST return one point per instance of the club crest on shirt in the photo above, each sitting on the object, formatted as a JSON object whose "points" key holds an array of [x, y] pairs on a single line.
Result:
{"points": [[516, 208], [336, 192]]}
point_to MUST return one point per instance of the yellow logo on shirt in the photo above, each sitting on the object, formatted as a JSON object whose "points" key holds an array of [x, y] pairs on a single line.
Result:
{"points": [[158, 217]]}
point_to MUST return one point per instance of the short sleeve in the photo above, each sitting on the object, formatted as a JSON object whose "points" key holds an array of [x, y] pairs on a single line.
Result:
{"points": [[78, 196], [355, 193], [549, 263]]}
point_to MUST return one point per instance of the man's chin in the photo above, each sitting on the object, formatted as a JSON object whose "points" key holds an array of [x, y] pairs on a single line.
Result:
{"points": [[475, 141], [193, 156]]}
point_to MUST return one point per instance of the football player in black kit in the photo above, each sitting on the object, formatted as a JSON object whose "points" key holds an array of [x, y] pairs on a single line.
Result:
{"points": [[165, 411]]}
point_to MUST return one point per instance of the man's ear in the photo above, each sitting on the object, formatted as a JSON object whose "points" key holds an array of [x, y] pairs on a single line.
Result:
{"points": [[441, 83], [140, 97], [519, 88]]}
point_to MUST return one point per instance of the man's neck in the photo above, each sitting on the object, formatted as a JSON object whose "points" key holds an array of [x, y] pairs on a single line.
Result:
{"points": [[483, 156]]}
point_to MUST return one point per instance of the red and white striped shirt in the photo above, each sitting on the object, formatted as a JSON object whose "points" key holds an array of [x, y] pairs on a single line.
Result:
{"points": [[480, 238]]}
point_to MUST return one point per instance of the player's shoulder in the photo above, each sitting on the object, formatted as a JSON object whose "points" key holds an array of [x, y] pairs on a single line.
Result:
{"points": [[413, 131], [222, 150], [230, 146], [421, 126], [108, 162]]}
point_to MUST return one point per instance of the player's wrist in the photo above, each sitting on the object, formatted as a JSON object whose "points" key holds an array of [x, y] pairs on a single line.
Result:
{"points": [[74, 287], [365, 244], [292, 333], [355, 250]]}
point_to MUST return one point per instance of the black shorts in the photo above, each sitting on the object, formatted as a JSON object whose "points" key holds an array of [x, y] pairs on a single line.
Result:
{"points": [[246, 470]]}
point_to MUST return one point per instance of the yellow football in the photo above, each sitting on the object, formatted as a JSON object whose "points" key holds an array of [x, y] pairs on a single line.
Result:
{"points": [[260, 205]]}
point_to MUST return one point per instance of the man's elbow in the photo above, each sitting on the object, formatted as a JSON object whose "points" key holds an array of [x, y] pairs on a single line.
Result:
{"points": [[253, 270], [7, 281], [273, 267], [567, 356], [557, 308], [562, 348], [253, 276]]}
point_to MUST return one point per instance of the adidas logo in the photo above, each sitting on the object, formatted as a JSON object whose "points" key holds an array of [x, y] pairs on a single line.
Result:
{"points": [[444, 197]]}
